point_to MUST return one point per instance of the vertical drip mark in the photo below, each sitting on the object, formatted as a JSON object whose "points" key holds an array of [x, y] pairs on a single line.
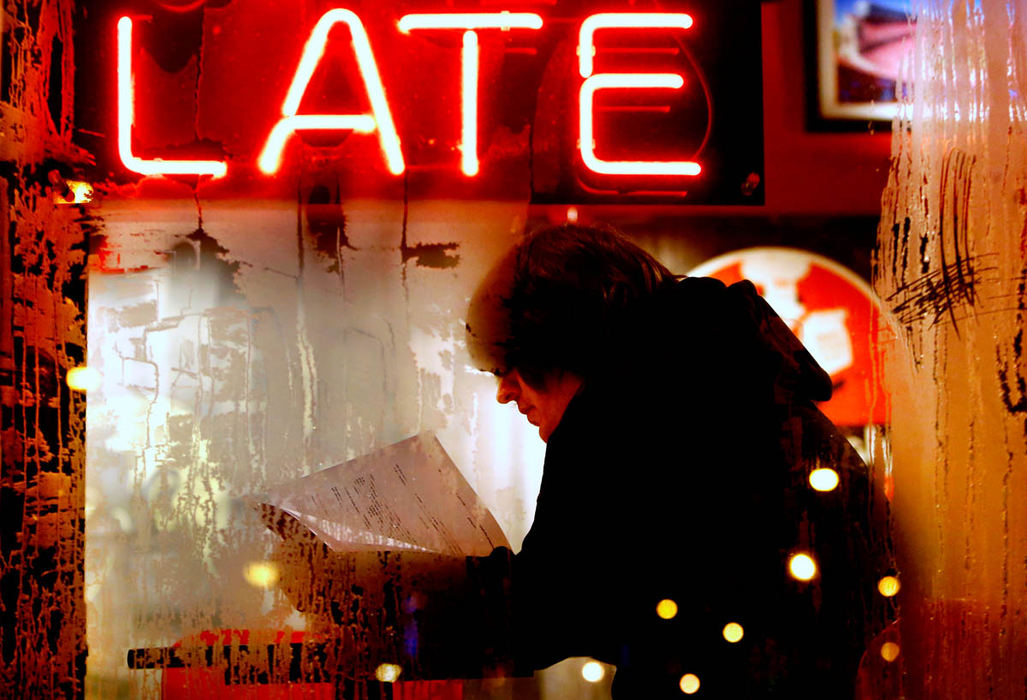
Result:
{"points": [[403, 234], [341, 238], [199, 79], [306, 352], [199, 210], [941, 462]]}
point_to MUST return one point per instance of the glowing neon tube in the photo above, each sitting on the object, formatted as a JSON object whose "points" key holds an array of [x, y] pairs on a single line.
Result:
{"points": [[126, 119], [629, 81], [380, 118]]}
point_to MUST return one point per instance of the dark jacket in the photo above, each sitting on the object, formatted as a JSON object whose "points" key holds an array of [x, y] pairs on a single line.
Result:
{"points": [[681, 472]]}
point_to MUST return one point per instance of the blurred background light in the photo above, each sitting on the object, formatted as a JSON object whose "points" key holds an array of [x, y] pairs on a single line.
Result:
{"points": [[802, 567], [77, 192], [889, 651], [888, 586], [388, 673], [689, 683], [84, 379], [593, 671], [823, 479], [667, 609], [733, 632], [261, 574]]}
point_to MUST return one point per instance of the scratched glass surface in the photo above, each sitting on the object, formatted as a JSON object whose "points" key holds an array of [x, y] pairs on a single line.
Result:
{"points": [[952, 268], [250, 351], [245, 342]]}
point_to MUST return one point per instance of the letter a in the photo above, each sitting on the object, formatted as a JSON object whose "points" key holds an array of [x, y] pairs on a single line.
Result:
{"points": [[380, 117]]}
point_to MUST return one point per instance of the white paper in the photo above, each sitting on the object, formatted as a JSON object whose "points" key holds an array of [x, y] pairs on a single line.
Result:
{"points": [[407, 496]]}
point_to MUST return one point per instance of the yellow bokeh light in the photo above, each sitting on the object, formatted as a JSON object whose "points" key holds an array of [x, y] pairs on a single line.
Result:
{"points": [[733, 632], [689, 683], [593, 671], [802, 567], [83, 379], [388, 673], [261, 574], [889, 651], [667, 608], [823, 479], [78, 192], [888, 586]]}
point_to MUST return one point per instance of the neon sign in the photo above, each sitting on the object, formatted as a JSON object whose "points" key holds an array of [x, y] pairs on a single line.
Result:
{"points": [[629, 81], [470, 58], [214, 168], [380, 119], [605, 88]]}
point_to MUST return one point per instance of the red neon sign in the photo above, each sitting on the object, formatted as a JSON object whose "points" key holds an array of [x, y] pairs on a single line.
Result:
{"points": [[379, 120], [630, 81], [470, 59], [215, 168]]}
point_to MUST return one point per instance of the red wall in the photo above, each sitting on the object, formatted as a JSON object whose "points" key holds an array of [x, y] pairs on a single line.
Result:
{"points": [[811, 172]]}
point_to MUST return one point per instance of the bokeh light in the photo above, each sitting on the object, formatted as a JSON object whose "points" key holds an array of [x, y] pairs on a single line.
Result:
{"points": [[667, 609], [889, 651], [388, 673], [888, 586], [78, 192], [84, 379], [733, 632], [593, 671], [689, 683], [823, 479], [261, 574], [802, 567]]}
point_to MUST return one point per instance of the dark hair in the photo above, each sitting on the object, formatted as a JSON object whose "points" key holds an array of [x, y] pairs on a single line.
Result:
{"points": [[554, 302]]}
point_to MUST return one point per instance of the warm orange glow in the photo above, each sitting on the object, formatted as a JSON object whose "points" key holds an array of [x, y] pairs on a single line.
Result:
{"points": [[388, 673], [622, 20], [630, 81], [823, 479], [593, 671], [380, 117], [689, 683], [261, 574], [80, 193], [733, 632], [667, 609], [888, 586], [889, 651], [126, 119], [470, 60], [802, 567], [83, 379]]}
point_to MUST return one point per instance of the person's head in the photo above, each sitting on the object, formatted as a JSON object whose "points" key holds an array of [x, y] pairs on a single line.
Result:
{"points": [[545, 315]]}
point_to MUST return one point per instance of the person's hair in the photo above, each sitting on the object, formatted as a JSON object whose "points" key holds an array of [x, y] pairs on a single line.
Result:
{"points": [[560, 296]]}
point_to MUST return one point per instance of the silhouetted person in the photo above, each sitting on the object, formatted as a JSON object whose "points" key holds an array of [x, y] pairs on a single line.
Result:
{"points": [[681, 430]]}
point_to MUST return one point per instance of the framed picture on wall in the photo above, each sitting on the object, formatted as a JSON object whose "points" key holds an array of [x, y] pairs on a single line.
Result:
{"points": [[858, 48]]}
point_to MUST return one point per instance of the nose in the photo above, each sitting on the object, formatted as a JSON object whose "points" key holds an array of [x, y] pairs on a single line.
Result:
{"points": [[507, 391]]}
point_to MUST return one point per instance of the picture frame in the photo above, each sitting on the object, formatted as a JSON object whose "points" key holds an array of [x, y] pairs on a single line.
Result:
{"points": [[857, 50]]}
